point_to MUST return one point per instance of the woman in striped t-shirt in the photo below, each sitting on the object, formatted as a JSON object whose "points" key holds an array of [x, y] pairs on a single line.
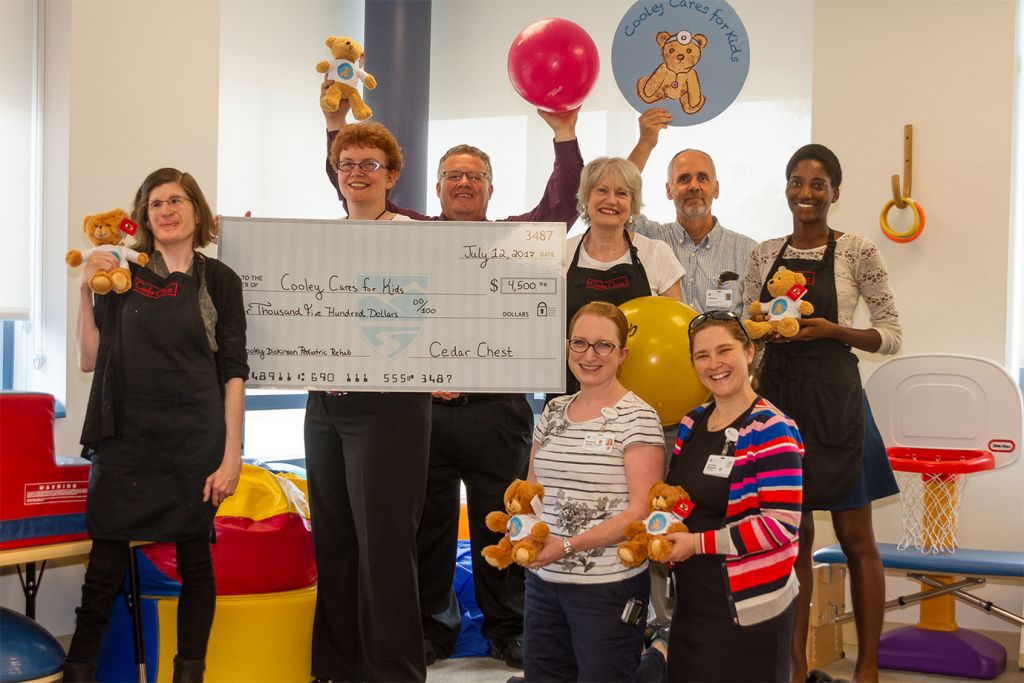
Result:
{"points": [[597, 453]]}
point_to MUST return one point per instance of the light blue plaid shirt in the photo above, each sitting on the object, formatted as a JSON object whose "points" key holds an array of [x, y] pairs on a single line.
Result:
{"points": [[720, 251]]}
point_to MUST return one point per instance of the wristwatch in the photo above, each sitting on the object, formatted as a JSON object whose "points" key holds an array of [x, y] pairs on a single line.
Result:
{"points": [[567, 551]]}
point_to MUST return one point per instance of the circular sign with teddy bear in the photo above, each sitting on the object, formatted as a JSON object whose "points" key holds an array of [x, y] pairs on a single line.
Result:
{"points": [[690, 57]]}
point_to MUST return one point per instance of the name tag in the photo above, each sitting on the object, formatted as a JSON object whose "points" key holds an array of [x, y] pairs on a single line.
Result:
{"points": [[600, 442], [719, 465], [718, 299]]}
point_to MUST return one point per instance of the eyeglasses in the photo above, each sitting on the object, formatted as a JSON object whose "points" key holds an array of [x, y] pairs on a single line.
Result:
{"points": [[601, 348], [173, 202], [701, 319], [456, 176], [366, 166]]}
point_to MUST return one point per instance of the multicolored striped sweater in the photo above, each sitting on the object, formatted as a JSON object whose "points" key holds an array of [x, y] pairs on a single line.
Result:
{"points": [[762, 518]]}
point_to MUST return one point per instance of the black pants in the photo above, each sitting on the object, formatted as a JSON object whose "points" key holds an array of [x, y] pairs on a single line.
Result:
{"points": [[108, 562], [485, 443], [366, 456]]}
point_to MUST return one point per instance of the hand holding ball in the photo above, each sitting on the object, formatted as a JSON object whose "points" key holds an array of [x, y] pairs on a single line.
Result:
{"points": [[553, 64]]}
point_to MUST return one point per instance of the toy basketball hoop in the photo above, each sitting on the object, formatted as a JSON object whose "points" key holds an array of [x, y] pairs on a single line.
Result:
{"points": [[931, 484]]}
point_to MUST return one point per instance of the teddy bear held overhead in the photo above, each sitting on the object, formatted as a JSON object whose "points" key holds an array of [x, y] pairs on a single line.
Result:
{"points": [[345, 72]]}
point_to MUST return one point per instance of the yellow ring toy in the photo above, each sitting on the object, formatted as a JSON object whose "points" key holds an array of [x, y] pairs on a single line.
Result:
{"points": [[915, 230]]}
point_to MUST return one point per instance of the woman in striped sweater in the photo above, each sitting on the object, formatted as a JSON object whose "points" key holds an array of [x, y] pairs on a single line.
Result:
{"points": [[740, 459]]}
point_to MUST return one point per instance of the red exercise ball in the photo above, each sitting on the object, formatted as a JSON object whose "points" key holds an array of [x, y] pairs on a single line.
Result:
{"points": [[553, 64]]}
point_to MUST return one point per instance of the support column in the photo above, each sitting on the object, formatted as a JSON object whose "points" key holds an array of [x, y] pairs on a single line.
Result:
{"points": [[397, 42]]}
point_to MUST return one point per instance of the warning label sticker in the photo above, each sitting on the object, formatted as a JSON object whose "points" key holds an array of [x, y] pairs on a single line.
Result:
{"points": [[38, 493]]}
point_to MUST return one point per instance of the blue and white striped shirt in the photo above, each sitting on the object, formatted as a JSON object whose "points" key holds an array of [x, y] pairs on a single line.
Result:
{"points": [[720, 251]]}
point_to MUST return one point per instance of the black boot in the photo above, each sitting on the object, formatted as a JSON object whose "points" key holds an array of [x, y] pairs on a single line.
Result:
{"points": [[188, 670], [78, 672]]}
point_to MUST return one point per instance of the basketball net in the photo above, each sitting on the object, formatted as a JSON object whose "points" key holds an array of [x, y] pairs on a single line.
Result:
{"points": [[929, 510]]}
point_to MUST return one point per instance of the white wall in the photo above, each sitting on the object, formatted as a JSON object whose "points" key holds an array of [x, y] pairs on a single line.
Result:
{"points": [[17, 49], [877, 66], [272, 133]]}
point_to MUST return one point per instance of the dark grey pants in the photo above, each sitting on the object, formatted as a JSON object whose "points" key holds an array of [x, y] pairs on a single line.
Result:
{"points": [[366, 458]]}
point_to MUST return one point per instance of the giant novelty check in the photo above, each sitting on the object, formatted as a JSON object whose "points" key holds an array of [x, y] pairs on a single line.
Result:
{"points": [[399, 305]]}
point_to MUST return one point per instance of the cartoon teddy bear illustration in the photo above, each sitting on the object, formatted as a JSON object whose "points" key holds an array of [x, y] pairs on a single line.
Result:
{"points": [[676, 77]]}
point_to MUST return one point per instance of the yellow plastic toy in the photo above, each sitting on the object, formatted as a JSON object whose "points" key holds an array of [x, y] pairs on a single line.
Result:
{"points": [[255, 638]]}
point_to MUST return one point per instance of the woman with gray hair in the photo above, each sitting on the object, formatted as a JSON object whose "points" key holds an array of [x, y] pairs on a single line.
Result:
{"points": [[611, 263]]}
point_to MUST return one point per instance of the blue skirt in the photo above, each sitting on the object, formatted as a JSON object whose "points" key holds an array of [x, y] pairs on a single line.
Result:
{"points": [[876, 478]]}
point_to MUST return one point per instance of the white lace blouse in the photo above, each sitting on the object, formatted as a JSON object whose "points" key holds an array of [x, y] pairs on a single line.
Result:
{"points": [[860, 272]]}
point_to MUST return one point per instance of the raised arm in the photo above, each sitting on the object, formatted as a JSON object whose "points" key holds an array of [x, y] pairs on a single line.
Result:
{"points": [[651, 122], [558, 204], [335, 120], [87, 332]]}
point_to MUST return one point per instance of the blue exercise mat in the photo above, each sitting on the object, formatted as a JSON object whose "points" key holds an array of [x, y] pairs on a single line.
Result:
{"points": [[471, 642]]}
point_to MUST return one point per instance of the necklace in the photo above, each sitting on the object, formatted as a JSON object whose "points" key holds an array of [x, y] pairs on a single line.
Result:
{"points": [[378, 215]]}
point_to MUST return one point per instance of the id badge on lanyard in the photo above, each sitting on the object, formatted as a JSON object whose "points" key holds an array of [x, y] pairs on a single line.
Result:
{"points": [[721, 465], [718, 300]]}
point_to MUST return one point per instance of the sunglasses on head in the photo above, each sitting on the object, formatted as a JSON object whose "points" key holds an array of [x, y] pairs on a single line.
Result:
{"points": [[701, 319]]}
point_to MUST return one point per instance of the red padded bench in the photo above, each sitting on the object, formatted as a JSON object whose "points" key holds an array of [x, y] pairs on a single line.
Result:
{"points": [[42, 501]]}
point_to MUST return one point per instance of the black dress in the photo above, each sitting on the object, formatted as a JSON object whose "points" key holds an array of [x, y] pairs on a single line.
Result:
{"points": [[705, 642]]}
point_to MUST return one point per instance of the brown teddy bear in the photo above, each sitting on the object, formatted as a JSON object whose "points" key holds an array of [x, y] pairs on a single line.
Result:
{"points": [[521, 519], [104, 231], [781, 314], [676, 77], [669, 506], [346, 71]]}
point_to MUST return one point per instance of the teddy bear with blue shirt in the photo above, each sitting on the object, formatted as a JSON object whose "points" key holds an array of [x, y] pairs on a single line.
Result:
{"points": [[526, 533], [783, 312], [669, 506]]}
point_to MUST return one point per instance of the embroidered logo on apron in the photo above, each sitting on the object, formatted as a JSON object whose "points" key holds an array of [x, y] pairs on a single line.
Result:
{"points": [[148, 289]]}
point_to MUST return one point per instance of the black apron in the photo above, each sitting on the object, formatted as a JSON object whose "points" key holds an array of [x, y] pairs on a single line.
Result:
{"points": [[617, 285], [817, 384], [146, 482]]}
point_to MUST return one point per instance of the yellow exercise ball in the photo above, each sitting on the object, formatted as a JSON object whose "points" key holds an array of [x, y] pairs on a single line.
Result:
{"points": [[658, 367]]}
